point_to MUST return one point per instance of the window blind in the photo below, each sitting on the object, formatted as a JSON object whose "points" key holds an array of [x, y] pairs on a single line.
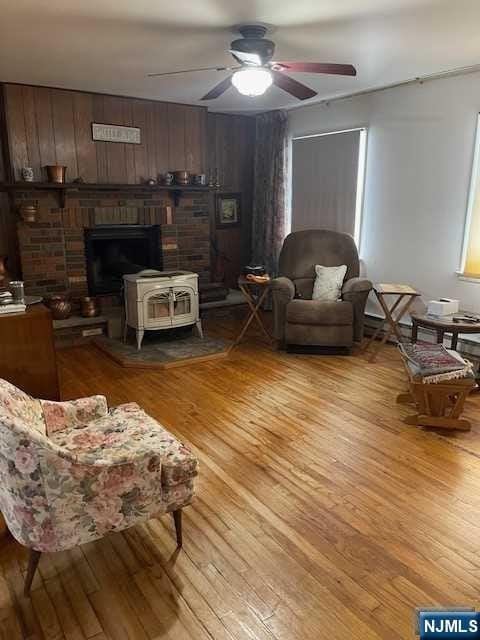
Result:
{"points": [[471, 244], [324, 181]]}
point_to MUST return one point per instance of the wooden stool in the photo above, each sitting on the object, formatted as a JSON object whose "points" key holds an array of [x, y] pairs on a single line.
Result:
{"points": [[439, 404]]}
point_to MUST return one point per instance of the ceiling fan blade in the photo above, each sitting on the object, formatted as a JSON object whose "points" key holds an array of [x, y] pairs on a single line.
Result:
{"points": [[291, 86], [220, 88], [317, 67], [247, 58], [174, 73]]}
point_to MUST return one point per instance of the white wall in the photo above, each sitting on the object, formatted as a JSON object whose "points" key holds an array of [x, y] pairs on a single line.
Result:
{"points": [[419, 157]]}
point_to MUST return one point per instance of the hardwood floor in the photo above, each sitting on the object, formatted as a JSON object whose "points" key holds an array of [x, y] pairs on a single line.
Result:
{"points": [[319, 514]]}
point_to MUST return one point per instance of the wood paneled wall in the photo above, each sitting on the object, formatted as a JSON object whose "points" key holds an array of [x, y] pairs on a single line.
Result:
{"points": [[53, 126], [8, 218], [231, 149]]}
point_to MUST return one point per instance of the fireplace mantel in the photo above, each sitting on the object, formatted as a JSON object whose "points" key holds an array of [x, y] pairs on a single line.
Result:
{"points": [[63, 189]]}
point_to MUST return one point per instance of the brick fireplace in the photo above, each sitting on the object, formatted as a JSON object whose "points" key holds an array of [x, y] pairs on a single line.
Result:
{"points": [[52, 249], [113, 251]]}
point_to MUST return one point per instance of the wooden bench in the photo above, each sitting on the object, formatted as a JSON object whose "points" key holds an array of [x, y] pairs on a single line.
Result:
{"points": [[439, 404]]}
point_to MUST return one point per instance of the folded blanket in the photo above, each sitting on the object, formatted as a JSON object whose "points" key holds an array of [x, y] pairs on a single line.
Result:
{"points": [[435, 363]]}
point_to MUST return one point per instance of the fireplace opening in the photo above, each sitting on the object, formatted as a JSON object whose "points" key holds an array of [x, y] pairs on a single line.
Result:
{"points": [[113, 251]]}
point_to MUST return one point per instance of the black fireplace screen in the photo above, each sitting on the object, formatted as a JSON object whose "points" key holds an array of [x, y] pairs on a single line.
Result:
{"points": [[113, 251]]}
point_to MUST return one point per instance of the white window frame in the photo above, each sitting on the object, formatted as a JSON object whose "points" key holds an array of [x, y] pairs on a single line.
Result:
{"points": [[474, 177], [361, 175]]}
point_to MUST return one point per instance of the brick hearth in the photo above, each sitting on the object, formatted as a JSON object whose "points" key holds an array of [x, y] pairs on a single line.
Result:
{"points": [[52, 249]]}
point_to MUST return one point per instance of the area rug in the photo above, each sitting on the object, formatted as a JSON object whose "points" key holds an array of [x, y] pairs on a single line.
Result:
{"points": [[435, 363], [164, 351]]}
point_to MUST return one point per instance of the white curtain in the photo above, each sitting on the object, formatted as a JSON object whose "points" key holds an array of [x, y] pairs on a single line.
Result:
{"points": [[324, 181]]}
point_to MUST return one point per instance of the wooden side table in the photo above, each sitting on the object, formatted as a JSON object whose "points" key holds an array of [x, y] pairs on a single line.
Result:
{"points": [[393, 314], [255, 293], [443, 325]]}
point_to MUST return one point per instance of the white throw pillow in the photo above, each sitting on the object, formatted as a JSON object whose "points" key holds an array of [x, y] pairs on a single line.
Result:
{"points": [[328, 283]]}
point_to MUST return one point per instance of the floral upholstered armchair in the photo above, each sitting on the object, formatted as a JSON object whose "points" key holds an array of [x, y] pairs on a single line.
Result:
{"points": [[71, 472]]}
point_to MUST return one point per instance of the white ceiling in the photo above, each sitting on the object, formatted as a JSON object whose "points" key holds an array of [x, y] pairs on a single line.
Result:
{"points": [[111, 45]]}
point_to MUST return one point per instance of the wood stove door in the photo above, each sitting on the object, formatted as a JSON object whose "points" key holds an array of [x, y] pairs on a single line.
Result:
{"points": [[156, 309], [184, 305]]}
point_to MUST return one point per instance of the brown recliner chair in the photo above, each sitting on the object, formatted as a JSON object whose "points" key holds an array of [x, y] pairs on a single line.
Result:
{"points": [[299, 320]]}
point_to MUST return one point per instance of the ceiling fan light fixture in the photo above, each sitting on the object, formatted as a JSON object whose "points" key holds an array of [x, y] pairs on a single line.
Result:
{"points": [[252, 81]]}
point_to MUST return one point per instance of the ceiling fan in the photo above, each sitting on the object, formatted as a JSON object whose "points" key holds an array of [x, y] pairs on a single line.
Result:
{"points": [[257, 72]]}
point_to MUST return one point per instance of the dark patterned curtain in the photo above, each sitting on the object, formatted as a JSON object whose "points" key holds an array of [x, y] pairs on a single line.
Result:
{"points": [[269, 206]]}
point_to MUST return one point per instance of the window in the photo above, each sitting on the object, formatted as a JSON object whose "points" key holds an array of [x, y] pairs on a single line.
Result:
{"points": [[328, 175], [470, 265]]}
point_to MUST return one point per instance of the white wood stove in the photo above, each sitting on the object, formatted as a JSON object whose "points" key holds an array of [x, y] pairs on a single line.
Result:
{"points": [[161, 300]]}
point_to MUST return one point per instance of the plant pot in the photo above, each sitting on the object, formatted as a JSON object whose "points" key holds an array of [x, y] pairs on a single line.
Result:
{"points": [[60, 307], [56, 173], [4, 275]]}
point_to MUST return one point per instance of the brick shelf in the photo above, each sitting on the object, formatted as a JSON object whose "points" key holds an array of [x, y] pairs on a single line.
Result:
{"points": [[78, 330], [78, 321], [62, 189], [52, 249]]}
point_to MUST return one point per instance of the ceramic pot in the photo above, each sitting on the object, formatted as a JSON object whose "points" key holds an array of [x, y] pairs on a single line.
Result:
{"points": [[28, 212], [27, 174], [56, 173], [4, 275], [60, 307], [167, 178], [89, 307], [200, 179]]}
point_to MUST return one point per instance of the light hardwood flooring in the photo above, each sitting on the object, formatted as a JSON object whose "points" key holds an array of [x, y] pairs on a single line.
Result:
{"points": [[319, 514]]}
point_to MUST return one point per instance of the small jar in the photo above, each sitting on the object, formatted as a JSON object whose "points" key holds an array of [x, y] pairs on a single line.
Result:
{"points": [[89, 307]]}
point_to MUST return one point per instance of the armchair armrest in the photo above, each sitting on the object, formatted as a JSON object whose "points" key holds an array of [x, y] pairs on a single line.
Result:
{"points": [[73, 413], [87, 498], [356, 285], [283, 291], [356, 292]]}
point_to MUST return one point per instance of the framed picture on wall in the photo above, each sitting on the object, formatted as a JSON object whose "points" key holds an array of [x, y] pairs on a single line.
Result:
{"points": [[228, 210]]}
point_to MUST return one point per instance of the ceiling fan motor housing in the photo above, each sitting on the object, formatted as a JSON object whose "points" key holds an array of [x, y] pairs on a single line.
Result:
{"points": [[253, 41]]}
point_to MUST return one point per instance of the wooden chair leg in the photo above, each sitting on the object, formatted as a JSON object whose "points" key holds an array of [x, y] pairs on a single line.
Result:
{"points": [[405, 398], [177, 518], [32, 567]]}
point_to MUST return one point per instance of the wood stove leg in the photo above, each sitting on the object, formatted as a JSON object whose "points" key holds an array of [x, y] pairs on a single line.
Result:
{"points": [[198, 329], [32, 567], [140, 334], [177, 519]]}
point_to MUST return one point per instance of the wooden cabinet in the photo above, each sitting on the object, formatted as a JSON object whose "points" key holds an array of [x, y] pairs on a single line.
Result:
{"points": [[27, 354]]}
